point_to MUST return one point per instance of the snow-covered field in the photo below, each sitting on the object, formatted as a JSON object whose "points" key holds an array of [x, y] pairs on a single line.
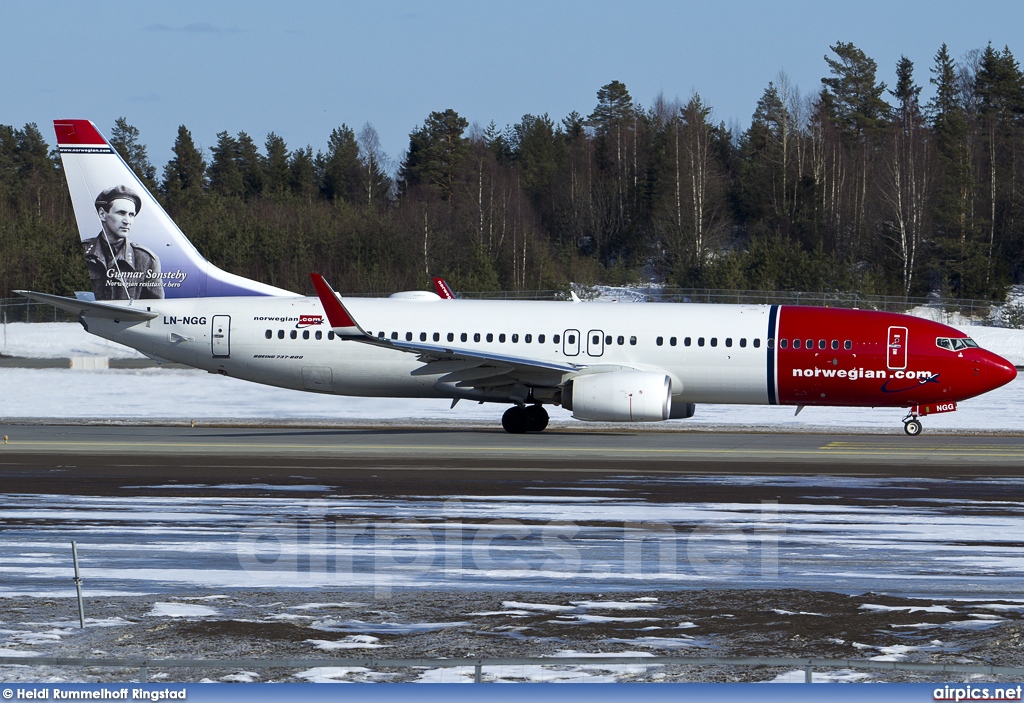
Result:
{"points": [[181, 395]]}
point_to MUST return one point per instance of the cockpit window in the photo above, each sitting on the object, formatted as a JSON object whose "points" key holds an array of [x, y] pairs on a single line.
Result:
{"points": [[955, 344]]}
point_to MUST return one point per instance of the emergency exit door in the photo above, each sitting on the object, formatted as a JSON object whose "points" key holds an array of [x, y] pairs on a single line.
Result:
{"points": [[221, 335]]}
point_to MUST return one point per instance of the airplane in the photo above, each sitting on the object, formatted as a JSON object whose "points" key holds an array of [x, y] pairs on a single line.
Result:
{"points": [[626, 362]]}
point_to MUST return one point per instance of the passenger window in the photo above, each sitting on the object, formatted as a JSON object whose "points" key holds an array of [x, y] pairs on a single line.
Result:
{"points": [[501, 337], [451, 337], [423, 336], [608, 339], [796, 343], [671, 341], [835, 343], [528, 338], [490, 337], [305, 334], [408, 336], [659, 341], [540, 339], [632, 341], [743, 341], [596, 340], [293, 334], [437, 337], [515, 338], [463, 337], [810, 344], [319, 334], [686, 342], [757, 343], [269, 334], [700, 341], [394, 335], [280, 334], [783, 343], [476, 336], [381, 335], [771, 342], [556, 338], [330, 334], [714, 341], [621, 340], [728, 341], [571, 339]]}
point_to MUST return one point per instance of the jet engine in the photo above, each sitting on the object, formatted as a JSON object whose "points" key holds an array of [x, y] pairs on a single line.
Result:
{"points": [[619, 396]]}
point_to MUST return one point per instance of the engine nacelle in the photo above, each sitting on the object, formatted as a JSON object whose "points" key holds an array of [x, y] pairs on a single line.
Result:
{"points": [[681, 410], [619, 396]]}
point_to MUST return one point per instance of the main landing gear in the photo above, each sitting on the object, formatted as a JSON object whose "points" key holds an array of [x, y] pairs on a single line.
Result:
{"points": [[521, 419], [911, 425]]}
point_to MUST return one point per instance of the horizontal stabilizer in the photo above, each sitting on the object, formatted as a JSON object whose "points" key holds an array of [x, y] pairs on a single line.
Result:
{"points": [[90, 308]]}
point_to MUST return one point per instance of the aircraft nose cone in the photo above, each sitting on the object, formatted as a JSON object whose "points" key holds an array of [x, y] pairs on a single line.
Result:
{"points": [[999, 371]]}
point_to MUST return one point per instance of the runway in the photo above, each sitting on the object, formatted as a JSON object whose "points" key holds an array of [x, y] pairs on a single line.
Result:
{"points": [[98, 459]]}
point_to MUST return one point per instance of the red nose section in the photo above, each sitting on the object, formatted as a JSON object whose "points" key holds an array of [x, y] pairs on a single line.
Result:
{"points": [[998, 371]]}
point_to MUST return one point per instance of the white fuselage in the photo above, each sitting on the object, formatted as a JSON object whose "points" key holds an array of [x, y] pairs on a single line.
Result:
{"points": [[274, 340]]}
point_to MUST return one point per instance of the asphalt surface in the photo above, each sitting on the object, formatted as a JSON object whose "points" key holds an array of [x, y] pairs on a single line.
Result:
{"points": [[86, 459]]}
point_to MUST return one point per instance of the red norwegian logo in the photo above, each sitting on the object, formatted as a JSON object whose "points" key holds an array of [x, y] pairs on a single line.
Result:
{"points": [[309, 321]]}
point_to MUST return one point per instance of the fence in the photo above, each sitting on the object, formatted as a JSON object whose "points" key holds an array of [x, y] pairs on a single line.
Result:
{"points": [[979, 310], [808, 665], [23, 310], [944, 309]]}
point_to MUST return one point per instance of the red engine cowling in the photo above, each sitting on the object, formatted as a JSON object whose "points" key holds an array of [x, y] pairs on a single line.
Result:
{"points": [[619, 396]]}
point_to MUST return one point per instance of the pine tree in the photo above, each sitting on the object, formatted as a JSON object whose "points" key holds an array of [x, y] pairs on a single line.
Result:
{"points": [[341, 170], [125, 140], [185, 173], [224, 174], [275, 166], [437, 150], [954, 225]]}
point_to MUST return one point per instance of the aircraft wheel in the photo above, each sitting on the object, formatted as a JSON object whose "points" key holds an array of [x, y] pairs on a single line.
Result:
{"points": [[912, 427], [516, 420], [538, 418]]}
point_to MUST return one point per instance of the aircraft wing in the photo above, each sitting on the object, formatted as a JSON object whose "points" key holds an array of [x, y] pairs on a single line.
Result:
{"points": [[463, 367], [91, 308]]}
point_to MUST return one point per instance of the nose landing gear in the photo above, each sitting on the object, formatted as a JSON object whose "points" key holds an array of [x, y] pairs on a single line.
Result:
{"points": [[911, 425], [519, 420]]}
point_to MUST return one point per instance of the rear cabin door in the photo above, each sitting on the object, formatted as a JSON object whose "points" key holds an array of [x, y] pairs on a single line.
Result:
{"points": [[221, 335]]}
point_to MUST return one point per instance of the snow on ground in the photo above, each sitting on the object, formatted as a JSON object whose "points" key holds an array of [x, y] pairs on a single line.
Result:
{"points": [[58, 340], [182, 395], [181, 610]]}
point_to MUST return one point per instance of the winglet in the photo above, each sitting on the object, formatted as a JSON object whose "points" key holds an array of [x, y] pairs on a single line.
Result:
{"points": [[340, 319], [443, 289]]}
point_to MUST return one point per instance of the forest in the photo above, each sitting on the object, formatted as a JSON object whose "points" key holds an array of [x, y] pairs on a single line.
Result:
{"points": [[856, 186]]}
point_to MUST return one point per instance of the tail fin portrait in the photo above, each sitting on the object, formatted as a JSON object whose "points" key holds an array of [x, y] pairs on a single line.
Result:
{"points": [[132, 248]]}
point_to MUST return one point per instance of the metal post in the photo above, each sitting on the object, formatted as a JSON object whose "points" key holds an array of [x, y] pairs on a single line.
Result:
{"points": [[808, 674], [478, 673], [144, 674], [78, 584]]}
